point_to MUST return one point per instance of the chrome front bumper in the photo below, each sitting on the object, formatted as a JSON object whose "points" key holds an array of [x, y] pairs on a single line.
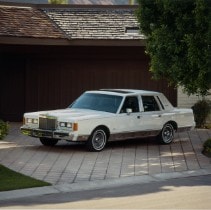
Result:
{"points": [[40, 133], [52, 134]]}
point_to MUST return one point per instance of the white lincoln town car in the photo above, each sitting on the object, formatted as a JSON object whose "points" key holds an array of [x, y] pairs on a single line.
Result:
{"points": [[99, 116]]}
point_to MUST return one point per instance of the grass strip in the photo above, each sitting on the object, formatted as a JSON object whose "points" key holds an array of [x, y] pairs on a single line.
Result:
{"points": [[11, 180]]}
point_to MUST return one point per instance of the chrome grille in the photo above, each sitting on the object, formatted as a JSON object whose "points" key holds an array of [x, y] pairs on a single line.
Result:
{"points": [[47, 123]]}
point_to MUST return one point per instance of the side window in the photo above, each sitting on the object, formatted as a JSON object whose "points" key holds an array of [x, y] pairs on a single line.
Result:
{"points": [[160, 103], [150, 104], [130, 103]]}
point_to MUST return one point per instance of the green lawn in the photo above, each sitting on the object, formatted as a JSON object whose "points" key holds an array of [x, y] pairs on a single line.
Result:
{"points": [[11, 180]]}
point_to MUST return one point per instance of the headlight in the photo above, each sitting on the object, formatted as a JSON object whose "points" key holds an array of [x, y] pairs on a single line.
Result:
{"points": [[35, 121], [28, 120], [62, 124], [31, 121], [69, 125], [66, 125]]}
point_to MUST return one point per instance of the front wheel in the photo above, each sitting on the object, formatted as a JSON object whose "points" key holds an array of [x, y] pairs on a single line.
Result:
{"points": [[48, 142], [166, 136], [97, 141]]}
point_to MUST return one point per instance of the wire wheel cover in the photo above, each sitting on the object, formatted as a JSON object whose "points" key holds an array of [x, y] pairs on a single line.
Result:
{"points": [[99, 139], [168, 133]]}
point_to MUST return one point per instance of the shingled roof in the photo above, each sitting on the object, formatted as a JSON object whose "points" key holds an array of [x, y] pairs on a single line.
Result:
{"points": [[27, 22], [96, 22], [69, 25]]}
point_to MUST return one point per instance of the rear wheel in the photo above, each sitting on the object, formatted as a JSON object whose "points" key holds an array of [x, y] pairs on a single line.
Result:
{"points": [[48, 142], [97, 141], [166, 136]]}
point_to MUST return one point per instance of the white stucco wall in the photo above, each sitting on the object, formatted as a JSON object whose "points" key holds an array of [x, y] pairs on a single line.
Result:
{"points": [[185, 101]]}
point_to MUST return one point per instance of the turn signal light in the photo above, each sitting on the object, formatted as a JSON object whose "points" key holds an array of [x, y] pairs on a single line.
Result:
{"points": [[75, 126]]}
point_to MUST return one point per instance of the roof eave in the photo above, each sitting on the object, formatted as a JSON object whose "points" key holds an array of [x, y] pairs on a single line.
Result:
{"points": [[107, 42], [70, 42], [14, 40]]}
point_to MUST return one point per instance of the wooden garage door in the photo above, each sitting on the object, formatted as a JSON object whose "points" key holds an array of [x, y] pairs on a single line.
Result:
{"points": [[44, 78], [57, 83], [12, 97]]}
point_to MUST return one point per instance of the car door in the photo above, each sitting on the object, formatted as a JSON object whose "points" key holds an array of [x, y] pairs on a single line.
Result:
{"points": [[151, 117], [128, 121]]}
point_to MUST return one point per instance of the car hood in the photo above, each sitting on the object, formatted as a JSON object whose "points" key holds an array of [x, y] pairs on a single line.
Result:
{"points": [[70, 114]]}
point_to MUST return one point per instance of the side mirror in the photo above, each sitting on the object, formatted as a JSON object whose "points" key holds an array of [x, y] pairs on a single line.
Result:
{"points": [[128, 111]]}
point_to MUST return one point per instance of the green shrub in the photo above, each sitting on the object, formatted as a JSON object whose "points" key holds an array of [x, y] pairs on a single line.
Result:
{"points": [[201, 110], [207, 146], [4, 127]]}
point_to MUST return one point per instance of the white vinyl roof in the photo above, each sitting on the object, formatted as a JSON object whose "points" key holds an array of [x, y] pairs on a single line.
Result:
{"points": [[124, 92]]}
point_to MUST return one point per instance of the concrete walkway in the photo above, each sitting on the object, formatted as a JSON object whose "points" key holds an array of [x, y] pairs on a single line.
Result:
{"points": [[69, 164]]}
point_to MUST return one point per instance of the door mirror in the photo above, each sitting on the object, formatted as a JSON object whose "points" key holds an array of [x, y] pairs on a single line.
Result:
{"points": [[128, 111]]}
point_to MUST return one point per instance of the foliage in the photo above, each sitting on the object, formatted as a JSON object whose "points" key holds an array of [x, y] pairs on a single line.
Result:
{"points": [[132, 2], [201, 110], [207, 146], [208, 125], [11, 180], [57, 1], [4, 127], [178, 37]]}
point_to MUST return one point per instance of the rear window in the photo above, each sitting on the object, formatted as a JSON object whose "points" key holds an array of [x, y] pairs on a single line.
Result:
{"points": [[150, 104]]}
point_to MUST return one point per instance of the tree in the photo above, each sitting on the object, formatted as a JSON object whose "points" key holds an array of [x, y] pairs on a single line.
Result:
{"points": [[178, 41], [131, 2]]}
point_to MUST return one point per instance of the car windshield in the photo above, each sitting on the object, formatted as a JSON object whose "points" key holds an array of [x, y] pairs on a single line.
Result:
{"points": [[99, 102]]}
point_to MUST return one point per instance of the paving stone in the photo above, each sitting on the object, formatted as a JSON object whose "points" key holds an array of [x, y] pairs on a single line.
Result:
{"points": [[178, 156], [154, 161], [68, 163], [166, 159]]}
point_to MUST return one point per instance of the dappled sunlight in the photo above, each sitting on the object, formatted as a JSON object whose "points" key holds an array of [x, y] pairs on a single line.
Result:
{"points": [[9, 145], [6, 145], [69, 162], [184, 140], [166, 154]]}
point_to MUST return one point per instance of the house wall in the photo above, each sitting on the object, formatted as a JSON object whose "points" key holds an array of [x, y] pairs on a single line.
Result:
{"points": [[185, 101], [44, 78]]}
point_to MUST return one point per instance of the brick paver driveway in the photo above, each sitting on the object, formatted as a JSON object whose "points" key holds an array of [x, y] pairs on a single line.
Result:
{"points": [[70, 162]]}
